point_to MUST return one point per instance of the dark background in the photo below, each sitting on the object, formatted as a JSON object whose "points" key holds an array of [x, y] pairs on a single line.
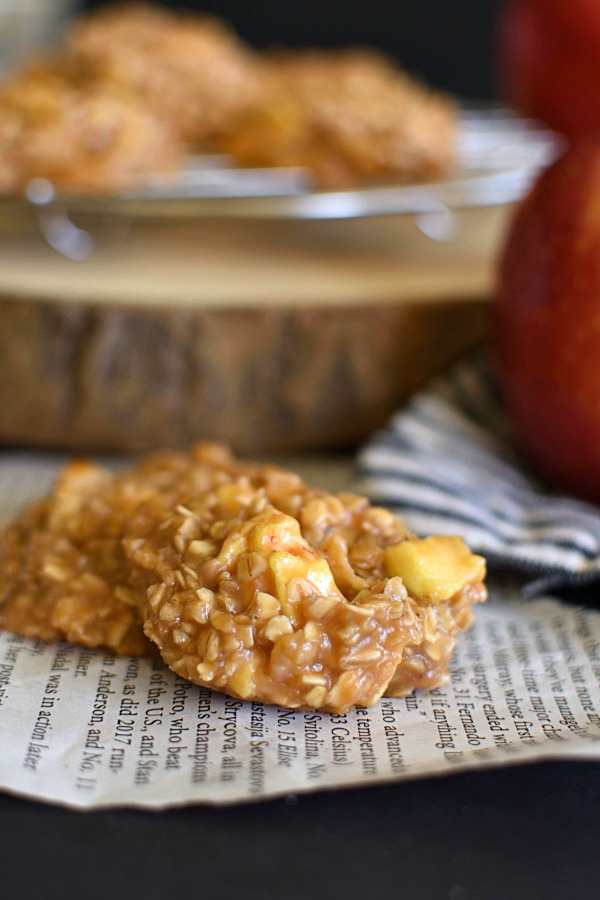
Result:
{"points": [[449, 43], [524, 833]]}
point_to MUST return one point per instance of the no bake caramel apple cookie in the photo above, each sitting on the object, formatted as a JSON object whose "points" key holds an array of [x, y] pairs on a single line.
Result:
{"points": [[80, 134], [242, 577], [349, 116], [63, 572], [190, 69]]}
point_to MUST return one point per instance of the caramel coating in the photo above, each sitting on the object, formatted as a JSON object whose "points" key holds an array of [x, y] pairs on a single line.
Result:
{"points": [[245, 579]]}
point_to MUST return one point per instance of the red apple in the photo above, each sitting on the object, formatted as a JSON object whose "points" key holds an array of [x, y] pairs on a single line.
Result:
{"points": [[549, 61], [546, 322]]}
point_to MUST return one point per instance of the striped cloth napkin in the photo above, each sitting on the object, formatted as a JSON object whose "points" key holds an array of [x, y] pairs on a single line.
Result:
{"points": [[446, 464]]}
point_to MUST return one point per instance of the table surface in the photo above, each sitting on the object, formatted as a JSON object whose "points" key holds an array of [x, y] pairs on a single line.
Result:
{"points": [[523, 832]]}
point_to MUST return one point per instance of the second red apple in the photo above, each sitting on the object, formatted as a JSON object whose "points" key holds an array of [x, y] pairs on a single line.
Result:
{"points": [[546, 324]]}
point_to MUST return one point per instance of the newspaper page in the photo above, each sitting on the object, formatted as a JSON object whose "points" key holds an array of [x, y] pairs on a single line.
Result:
{"points": [[87, 729]]}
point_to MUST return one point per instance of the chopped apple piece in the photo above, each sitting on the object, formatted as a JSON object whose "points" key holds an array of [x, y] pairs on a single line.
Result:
{"points": [[261, 534], [276, 537], [434, 568], [311, 569]]}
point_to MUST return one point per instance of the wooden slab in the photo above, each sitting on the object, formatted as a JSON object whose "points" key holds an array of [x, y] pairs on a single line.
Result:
{"points": [[271, 336]]}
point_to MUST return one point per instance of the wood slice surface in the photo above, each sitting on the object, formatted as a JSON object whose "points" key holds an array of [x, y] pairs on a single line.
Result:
{"points": [[272, 336]]}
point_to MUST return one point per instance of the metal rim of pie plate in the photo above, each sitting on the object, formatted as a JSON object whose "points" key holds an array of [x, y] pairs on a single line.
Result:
{"points": [[500, 154]]}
